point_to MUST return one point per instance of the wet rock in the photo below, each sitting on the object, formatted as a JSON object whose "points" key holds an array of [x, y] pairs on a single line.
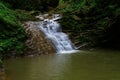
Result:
{"points": [[36, 42]]}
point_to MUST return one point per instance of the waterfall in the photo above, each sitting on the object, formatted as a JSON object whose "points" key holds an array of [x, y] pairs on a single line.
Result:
{"points": [[53, 33]]}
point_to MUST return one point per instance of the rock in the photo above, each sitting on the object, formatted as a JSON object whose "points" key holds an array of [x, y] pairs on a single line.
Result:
{"points": [[36, 42]]}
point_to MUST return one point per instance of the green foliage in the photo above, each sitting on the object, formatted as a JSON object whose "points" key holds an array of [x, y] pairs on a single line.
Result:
{"points": [[71, 6], [11, 33], [7, 15], [24, 15], [94, 22]]}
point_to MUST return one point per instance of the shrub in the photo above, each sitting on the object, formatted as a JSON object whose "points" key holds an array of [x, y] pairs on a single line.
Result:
{"points": [[11, 33]]}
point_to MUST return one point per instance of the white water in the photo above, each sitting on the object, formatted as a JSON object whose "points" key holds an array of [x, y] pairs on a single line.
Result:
{"points": [[53, 32]]}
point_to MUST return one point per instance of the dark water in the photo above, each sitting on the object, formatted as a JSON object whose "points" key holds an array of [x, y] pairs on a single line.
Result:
{"points": [[95, 65]]}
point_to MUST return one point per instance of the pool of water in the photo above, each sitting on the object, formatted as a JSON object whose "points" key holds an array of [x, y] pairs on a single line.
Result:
{"points": [[92, 65]]}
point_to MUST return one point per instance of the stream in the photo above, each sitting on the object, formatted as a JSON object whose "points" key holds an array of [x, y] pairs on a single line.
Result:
{"points": [[85, 65]]}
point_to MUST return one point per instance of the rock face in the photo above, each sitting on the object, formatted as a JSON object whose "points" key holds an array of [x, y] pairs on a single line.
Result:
{"points": [[36, 42]]}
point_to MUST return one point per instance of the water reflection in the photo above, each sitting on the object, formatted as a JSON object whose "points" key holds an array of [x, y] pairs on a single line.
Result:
{"points": [[100, 65], [58, 66], [46, 67]]}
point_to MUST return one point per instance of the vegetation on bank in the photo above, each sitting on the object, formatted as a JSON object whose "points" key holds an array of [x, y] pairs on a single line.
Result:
{"points": [[95, 22], [12, 35]]}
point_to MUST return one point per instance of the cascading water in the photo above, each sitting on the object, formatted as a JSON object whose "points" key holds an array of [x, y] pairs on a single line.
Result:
{"points": [[53, 32]]}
